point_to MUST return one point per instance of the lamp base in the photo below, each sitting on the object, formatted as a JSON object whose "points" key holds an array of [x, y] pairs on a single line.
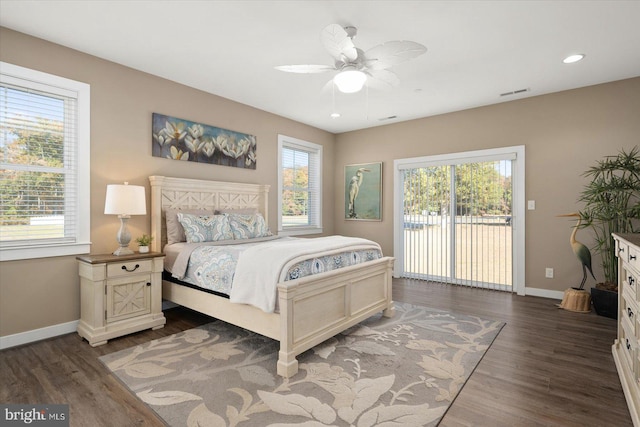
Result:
{"points": [[123, 237], [123, 250]]}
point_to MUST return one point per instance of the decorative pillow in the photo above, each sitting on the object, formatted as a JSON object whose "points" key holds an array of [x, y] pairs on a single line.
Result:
{"points": [[175, 231], [205, 228], [248, 226]]}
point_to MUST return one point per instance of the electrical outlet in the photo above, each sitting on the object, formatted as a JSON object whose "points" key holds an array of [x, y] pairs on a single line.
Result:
{"points": [[548, 273], [531, 205]]}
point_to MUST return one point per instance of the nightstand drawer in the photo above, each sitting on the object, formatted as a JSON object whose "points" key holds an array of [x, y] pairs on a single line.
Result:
{"points": [[128, 268]]}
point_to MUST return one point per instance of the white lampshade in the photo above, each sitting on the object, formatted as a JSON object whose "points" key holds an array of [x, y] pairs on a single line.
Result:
{"points": [[350, 80], [125, 200]]}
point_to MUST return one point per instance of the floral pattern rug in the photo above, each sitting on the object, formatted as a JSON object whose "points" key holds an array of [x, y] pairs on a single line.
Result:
{"points": [[402, 371]]}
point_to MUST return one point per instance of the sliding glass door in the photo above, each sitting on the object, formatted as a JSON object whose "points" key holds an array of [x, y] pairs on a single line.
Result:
{"points": [[457, 220]]}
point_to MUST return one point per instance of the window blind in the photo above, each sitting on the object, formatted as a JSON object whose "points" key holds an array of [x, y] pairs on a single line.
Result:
{"points": [[300, 178], [38, 164], [457, 223]]}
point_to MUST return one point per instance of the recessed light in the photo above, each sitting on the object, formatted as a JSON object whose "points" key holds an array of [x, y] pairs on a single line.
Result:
{"points": [[573, 58], [335, 115]]}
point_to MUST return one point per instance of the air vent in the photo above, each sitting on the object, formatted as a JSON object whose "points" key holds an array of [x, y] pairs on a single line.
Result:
{"points": [[387, 118], [515, 92]]}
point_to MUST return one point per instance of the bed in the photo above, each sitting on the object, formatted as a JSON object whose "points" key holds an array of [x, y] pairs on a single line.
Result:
{"points": [[311, 309]]}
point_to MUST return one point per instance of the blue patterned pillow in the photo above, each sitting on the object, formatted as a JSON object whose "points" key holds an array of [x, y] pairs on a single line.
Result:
{"points": [[205, 228], [248, 226]]}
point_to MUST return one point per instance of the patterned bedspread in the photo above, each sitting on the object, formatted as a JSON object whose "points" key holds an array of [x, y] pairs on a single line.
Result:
{"points": [[213, 267]]}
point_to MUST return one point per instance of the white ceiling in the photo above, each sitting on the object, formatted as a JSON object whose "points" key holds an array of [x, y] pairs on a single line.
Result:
{"points": [[476, 49]]}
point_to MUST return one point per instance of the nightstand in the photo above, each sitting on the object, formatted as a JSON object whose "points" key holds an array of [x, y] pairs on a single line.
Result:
{"points": [[119, 295]]}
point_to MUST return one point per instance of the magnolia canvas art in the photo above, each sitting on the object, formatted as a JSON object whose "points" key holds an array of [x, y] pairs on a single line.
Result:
{"points": [[185, 140]]}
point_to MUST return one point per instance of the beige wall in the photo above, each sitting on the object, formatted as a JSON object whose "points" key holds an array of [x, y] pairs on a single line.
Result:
{"points": [[40, 293], [563, 134]]}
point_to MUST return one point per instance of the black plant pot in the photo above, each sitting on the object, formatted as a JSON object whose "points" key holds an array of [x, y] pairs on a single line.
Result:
{"points": [[605, 302]]}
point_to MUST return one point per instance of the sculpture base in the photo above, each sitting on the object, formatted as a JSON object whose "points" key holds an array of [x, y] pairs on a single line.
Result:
{"points": [[123, 250], [576, 300]]}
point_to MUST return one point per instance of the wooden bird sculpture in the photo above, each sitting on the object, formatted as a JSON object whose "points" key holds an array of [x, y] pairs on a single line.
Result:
{"points": [[581, 251]]}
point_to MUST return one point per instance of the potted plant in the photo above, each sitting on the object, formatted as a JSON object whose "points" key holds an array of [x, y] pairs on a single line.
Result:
{"points": [[143, 243], [612, 205]]}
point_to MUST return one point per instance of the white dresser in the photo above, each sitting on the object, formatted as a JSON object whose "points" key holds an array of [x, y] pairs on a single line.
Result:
{"points": [[626, 351]]}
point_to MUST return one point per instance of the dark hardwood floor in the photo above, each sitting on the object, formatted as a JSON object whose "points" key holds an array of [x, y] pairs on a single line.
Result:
{"points": [[548, 367]]}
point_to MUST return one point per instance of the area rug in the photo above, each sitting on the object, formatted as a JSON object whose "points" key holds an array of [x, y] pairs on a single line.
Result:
{"points": [[406, 370]]}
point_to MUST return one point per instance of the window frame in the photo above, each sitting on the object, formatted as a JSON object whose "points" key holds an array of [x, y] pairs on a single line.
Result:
{"points": [[45, 82], [286, 142]]}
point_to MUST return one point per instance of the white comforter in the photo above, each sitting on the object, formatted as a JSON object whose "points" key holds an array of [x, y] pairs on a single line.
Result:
{"points": [[260, 268]]}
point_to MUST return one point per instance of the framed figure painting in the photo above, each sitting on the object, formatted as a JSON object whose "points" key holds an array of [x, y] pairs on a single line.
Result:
{"points": [[363, 192]]}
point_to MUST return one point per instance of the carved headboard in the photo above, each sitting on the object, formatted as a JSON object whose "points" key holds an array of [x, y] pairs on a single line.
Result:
{"points": [[183, 193]]}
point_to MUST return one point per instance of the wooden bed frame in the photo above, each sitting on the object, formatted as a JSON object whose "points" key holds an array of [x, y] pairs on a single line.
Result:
{"points": [[311, 309]]}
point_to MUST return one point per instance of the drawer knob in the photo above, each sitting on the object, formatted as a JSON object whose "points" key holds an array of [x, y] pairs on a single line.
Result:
{"points": [[630, 313], [631, 280], [628, 344], [632, 257], [124, 267], [148, 283]]}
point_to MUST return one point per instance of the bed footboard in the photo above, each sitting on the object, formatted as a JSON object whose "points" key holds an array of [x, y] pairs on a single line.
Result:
{"points": [[315, 308]]}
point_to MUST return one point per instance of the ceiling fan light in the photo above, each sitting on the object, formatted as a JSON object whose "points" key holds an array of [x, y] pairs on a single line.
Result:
{"points": [[350, 81]]}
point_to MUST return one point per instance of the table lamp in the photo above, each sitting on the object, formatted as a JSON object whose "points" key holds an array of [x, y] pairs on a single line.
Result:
{"points": [[124, 201]]}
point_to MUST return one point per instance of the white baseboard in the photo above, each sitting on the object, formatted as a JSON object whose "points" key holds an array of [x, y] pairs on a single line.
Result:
{"points": [[69, 327], [27, 337], [544, 293], [38, 334]]}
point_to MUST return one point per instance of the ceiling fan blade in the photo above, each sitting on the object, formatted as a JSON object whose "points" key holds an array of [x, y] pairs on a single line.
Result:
{"points": [[338, 43], [305, 69], [381, 79], [390, 53]]}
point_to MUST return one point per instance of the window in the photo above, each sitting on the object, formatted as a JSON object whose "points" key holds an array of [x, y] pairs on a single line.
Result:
{"points": [[44, 164], [299, 188]]}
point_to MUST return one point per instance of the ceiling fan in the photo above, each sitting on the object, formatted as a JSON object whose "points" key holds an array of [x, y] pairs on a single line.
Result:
{"points": [[356, 67]]}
